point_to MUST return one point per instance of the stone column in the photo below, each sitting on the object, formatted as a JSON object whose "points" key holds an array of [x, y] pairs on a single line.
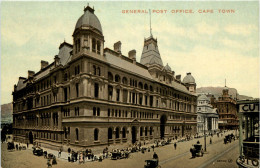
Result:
{"points": [[121, 95], [143, 102], [128, 96], [114, 94], [105, 91]]}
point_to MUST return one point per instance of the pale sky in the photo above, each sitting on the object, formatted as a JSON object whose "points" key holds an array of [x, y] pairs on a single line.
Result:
{"points": [[212, 46]]}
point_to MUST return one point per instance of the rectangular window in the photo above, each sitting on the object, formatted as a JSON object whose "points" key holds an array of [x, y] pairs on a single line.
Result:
{"points": [[77, 89], [96, 90], [108, 112]]}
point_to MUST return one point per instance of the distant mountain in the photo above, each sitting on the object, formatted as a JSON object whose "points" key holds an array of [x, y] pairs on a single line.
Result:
{"points": [[7, 113], [217, 92]]}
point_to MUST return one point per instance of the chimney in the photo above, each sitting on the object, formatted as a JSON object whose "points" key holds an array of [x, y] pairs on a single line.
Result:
{"points": [[30, 74], [132, 55], [56, 60], [178, 77], [44, 64], [117, 46]]}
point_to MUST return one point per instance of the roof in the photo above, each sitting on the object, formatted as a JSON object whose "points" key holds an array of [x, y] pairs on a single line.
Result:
{"points": [[89, 19], [126, 65], [64, 54], [167, 67], [203, 97], [21, 84], [180, 87], [188, 78]]}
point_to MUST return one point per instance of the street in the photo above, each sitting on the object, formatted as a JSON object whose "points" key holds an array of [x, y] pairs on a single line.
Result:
{"points": [[218, 155]]}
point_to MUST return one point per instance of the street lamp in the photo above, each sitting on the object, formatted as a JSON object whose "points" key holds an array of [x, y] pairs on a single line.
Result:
{"points": [[205, 133]]}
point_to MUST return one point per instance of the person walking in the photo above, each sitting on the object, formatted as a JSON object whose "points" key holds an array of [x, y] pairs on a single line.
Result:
{"points": [[155, 156], [175, 145], [69, 155], [27, 144], [59, 153]]}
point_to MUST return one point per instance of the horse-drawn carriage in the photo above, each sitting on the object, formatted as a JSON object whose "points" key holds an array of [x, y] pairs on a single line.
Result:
{"points": [[152, 163], [37, 151], [197, 151], [228, 138], [120, 155]]}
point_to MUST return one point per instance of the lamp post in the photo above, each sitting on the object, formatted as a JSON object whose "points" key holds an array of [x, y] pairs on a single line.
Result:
{"points": [[205, 133]]}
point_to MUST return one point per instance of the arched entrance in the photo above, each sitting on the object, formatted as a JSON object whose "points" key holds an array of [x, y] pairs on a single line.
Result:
{"points": [[30, 137], [162, 125], [134, 134]]}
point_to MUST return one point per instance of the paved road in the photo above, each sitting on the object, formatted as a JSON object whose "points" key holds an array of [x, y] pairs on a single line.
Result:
{"points": [[217, 156]]}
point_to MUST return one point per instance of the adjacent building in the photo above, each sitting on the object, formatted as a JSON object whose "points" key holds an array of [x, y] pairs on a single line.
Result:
{"points": [[207, 119], [227, 110], [91, 95]]}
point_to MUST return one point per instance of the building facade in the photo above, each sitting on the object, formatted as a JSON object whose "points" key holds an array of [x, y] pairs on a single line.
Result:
{"points": [[226, 106], [91, 95], [207, 118]]}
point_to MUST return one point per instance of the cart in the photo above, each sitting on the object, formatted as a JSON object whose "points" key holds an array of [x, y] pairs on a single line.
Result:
{"points": [[152, 163]]}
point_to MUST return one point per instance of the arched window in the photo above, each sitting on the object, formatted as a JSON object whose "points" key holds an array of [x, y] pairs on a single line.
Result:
{"points": [[110, 133], [96, 134], [117, 78], [145, 86], [124, 80], [94, 45], [141, 131], [124, 133], [94, 111], [151, 130], [140, 85], [151, 88], [117, 132], [77, 134], [110, 76]]}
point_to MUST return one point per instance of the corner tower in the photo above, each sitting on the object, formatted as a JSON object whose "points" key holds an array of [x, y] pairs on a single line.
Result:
{"points": [[151, 54], [88, 36]]}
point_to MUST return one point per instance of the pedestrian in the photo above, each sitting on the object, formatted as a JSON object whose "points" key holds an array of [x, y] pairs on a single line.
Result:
{"points": [[27, 144], [49, 162], [69, 150], [155, 156], [59, 153], [175, 145], [210, 141], [54, 161], [69, 157], [153, 148], [16, 146]]}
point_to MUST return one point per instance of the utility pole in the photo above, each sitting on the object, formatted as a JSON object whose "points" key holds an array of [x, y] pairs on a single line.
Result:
{"points": [[205, 133]]}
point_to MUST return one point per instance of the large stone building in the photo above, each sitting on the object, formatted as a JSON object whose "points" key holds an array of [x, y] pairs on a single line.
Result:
{"points": [[91, 95], [207, 119], [226, 106]]}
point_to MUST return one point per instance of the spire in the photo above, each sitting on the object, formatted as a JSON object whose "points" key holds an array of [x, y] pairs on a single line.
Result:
{"points": [[150, 23], [225, 83]]}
